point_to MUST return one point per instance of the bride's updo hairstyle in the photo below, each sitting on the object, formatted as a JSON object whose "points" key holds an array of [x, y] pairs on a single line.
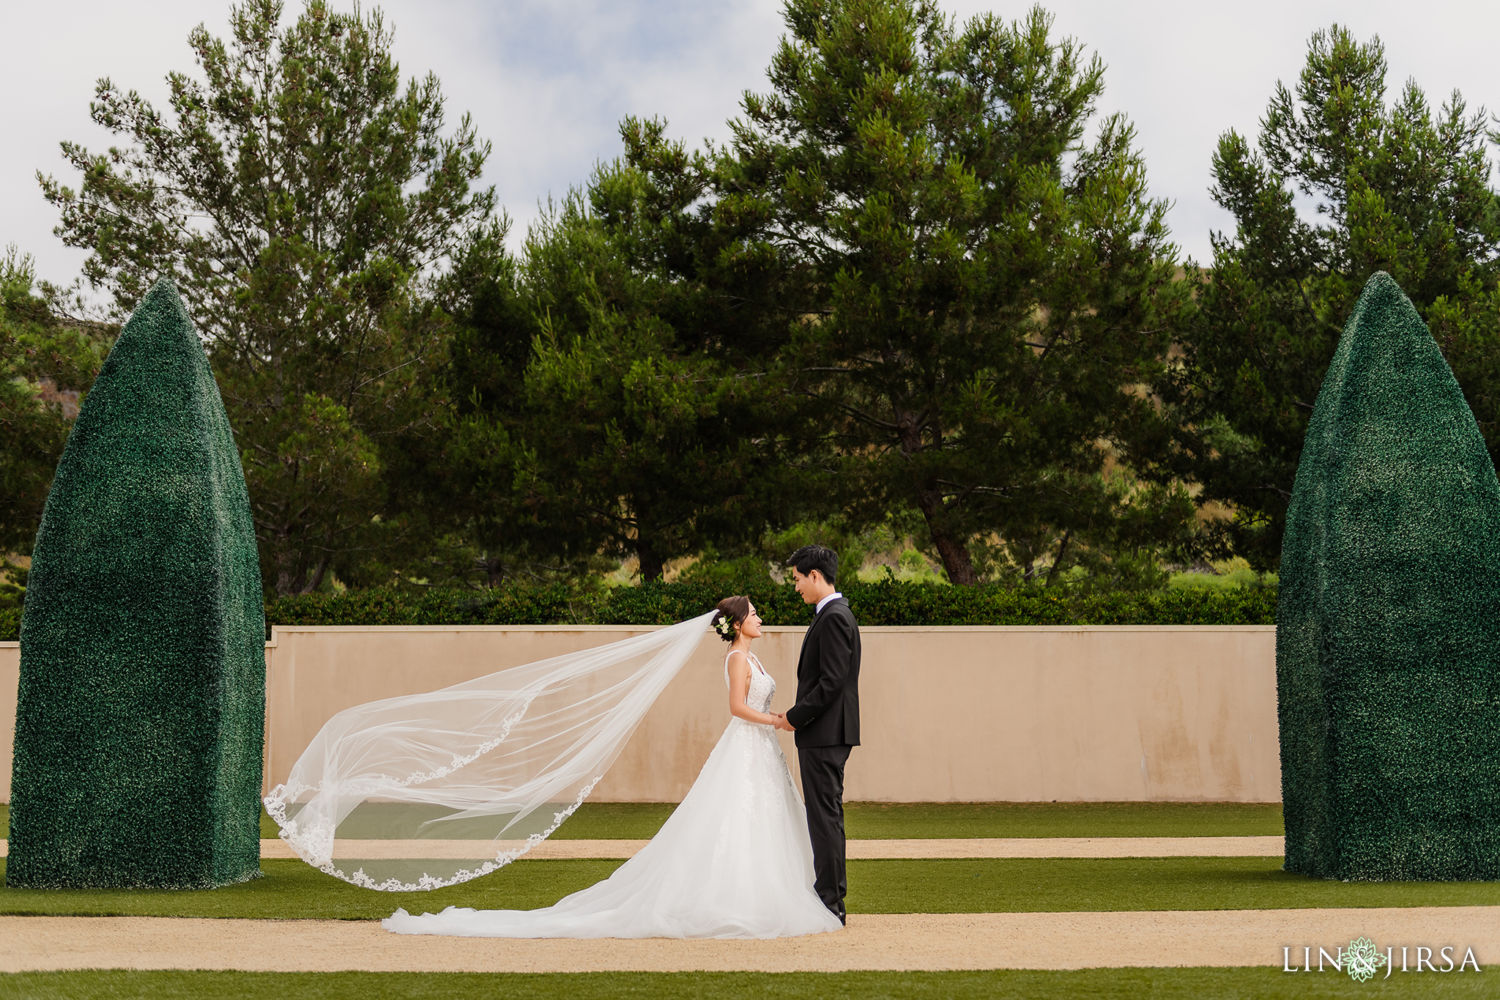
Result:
{"points": [[729, 613]]}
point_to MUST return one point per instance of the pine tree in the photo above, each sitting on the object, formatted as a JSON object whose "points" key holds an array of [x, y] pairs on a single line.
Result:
{"points": [[978, 283], [303, 200], [1400, 188]]}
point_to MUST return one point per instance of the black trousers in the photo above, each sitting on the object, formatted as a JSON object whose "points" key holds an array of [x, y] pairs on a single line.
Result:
{"points": [[823, 793]]}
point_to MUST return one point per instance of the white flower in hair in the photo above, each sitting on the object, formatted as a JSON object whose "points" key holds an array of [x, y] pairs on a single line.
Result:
{"points": [[724, 626]]}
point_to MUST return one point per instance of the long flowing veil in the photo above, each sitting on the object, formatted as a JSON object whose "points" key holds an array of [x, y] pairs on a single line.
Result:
{"points": [[427, 790]]}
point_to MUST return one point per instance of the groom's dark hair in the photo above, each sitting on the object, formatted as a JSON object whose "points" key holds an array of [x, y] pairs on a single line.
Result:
{"points": [[816, 557]]}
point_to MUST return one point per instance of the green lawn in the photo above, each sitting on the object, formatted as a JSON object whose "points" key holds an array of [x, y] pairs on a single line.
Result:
{"points": [[292, 889], [1087, 984], [919, 820], [922, 820]]}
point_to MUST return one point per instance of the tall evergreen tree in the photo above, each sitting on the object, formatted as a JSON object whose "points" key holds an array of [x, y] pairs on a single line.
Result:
{"points": [[494, 530], [46, 362], [1338, 184], [648, 426], [301, 199], [979, 271]]}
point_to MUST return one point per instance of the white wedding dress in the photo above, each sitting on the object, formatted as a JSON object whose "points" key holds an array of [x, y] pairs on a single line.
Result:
{"points": [[732, 861]]}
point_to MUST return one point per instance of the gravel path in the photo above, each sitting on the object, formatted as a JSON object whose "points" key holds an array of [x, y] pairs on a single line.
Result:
{"points": [[876, 942]]}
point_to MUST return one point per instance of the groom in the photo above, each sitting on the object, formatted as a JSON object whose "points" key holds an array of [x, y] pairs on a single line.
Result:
{"points": [[826, 715]]}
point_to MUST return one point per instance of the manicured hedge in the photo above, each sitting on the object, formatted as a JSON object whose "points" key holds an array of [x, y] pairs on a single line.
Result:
{"points": [[662, 604], [888, 603], [142, 691], [548, 604], [1388, 651]]}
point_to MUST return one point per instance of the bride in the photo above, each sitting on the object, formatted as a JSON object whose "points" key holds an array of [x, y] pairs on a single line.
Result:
{"points": [[732, 861]]}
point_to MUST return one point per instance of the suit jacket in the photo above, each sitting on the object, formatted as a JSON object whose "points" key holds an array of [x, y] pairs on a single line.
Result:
{"points": [[827, 709]]}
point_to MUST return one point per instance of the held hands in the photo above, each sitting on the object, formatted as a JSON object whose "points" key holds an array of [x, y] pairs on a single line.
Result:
{"points": [[781, 722]]}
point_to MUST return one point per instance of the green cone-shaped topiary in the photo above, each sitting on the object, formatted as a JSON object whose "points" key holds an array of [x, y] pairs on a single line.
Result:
{"points": [[1387, 644], [142, 696]]}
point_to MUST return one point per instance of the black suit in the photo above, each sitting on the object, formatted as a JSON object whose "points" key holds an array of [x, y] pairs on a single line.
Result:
{"points": [[826, 720]]}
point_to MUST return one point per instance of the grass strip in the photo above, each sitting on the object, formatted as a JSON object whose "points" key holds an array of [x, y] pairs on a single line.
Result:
{"points": [[293, 890], [945, 820], [1190, 983]]}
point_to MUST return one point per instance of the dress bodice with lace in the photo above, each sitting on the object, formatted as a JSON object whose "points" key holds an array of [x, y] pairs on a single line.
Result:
{"points": [[733, 860], [762, 686]]}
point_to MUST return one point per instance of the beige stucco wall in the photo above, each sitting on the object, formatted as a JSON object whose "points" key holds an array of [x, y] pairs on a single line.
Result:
{"points": [[1106, 713]]}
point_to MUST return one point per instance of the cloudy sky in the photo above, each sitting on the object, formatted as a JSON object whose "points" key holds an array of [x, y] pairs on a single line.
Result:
{"points": [[547, 81]]}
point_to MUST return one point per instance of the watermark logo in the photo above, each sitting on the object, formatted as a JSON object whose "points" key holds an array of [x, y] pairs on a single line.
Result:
{"points": [[1362, 960]]}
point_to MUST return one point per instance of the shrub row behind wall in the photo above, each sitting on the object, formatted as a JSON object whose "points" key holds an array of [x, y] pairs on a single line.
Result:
{"points": [[875, 604], [662, 604]]}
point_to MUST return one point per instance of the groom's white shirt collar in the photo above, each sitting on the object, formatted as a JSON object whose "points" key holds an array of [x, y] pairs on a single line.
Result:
{"points": [[831, 597]]}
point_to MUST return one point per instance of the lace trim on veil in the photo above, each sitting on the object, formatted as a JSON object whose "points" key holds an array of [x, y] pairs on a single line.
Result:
{"points": [[302, 843], [314, 842], [316, 798]]}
